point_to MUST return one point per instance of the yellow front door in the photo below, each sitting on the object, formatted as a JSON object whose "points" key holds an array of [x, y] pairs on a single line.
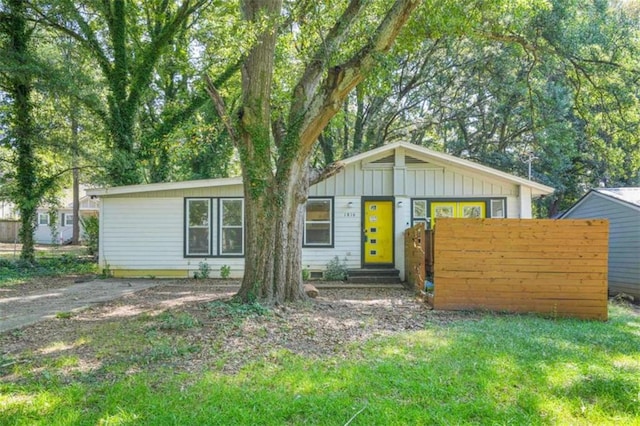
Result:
{"points": [[378, 232], [465, 209]]}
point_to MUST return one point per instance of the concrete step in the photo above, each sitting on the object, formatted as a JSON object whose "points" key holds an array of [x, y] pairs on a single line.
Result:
{"points": [[378, 272], [374, 276], [374, 280]]}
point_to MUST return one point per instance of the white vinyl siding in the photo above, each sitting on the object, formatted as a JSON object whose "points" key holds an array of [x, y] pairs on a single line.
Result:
{"points": [[148, 234], [348, 237], [145, 229]]}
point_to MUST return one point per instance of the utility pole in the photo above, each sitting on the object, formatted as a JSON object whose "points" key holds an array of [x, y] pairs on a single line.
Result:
{"points": [[528, 158]]}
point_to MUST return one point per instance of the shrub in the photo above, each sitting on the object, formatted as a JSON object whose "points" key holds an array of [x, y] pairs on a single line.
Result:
{"points": [[91, 226], [225, 271], [203, 272], [336, 270]]}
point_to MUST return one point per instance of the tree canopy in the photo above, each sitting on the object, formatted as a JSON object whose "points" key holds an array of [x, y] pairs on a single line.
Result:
{"points": [[279, 90]]}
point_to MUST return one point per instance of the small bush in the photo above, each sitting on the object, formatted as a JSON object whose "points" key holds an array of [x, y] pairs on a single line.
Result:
{"points": [[225, 271], [91, 226], [336, 270], [203, 272]]}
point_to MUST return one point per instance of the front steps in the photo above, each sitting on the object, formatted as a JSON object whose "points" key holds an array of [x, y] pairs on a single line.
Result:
{"points": [[373, 276]]}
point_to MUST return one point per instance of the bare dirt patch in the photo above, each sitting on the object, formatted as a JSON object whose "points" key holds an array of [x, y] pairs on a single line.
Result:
{"points": [[219, 335]]}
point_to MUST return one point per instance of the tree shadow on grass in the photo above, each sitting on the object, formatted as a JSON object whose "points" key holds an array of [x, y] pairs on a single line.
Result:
{"points": [[485, 369]]}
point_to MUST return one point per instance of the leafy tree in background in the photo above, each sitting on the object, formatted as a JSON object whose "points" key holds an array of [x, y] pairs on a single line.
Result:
{"points": [[558, 79], [17, 79], [126, 41]]}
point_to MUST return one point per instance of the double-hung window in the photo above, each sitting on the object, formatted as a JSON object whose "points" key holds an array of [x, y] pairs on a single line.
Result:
{"points": [[198, 213], [318, 222], [43, 219], [68, 219], [231, 226]]}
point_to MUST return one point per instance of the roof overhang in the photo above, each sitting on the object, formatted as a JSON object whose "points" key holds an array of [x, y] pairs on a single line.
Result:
{"points": [[166, 186], [438, 158], [596, 193]]}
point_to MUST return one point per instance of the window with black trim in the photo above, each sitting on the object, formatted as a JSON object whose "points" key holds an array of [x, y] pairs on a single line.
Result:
{"points": [[496, 208], [198, 213], [231, 226], [419, 212], [318, 222]]}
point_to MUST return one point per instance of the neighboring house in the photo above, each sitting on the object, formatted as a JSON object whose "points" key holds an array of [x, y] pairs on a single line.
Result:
{"points": [[622, 207], [358, 215], [8, 210], [57, 227]]}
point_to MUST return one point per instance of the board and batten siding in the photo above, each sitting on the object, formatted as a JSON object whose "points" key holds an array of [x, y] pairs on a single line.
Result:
{"points": [[624, 240], [147, 234], [356, 180]]}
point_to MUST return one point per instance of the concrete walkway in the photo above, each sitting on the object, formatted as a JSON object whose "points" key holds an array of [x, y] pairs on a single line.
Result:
{"points": [[23, 310]]}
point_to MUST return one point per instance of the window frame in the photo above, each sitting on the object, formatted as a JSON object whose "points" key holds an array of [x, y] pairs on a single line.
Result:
{"points": [[48, 219], [66, 219], [186, 227], [331, 223], [427, 218], [222, 227]]}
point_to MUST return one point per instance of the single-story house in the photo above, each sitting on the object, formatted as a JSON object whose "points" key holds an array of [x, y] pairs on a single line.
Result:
{"points": [[622, 207], [57, 227], [358, 215]]}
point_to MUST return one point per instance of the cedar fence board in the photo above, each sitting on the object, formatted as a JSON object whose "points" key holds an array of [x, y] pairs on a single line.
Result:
{"points": [[554, 267]]}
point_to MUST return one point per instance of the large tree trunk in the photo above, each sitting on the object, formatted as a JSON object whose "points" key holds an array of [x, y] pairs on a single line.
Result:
{"points": [[274, 200], [273, 267], [27, 195], [75, 238]]}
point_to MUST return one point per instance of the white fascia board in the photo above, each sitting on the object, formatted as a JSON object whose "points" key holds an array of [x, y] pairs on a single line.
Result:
{"points": [[167, 186]]}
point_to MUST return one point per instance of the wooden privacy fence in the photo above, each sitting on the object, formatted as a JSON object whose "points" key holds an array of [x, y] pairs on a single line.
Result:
{"points": [[556, 267], [414, 256], [418, 255], [9, 230]]}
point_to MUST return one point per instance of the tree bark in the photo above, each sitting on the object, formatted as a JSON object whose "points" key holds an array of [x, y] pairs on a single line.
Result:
{"points": [[27, 195], [274, 200]]}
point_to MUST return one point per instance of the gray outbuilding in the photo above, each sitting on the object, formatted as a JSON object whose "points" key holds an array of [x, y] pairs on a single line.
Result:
{"points": [[622, 207]]}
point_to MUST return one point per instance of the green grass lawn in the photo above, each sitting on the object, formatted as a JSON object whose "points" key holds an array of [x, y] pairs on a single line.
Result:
{"points": [[486, 369]]}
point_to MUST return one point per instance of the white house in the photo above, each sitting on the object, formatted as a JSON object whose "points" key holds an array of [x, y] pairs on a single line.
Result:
{"points": [[622, 207], [358, 215], [57, 227]]}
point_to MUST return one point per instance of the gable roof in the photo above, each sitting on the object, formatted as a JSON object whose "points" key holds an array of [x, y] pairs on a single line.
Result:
{"points": [[377, 154], [629, 197], [447, 159]]}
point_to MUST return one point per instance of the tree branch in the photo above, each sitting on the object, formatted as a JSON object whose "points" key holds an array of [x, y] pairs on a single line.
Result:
{"points": [[332, 169], [220, 107], [343, 78]]}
